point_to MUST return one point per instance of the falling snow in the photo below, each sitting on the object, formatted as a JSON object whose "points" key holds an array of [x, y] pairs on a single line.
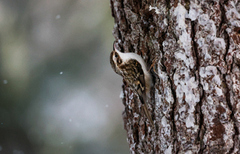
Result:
{"points": [[58, 17], [5, 82]]}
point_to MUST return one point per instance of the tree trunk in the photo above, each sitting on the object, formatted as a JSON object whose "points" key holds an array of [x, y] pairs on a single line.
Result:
{"points": [[193, 53]]}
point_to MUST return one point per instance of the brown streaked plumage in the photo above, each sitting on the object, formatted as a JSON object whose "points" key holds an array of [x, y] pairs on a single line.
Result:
{"points": [[133, 69]]}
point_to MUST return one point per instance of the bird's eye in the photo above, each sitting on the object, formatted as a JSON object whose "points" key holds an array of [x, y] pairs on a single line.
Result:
{"points": [[116, 55]]}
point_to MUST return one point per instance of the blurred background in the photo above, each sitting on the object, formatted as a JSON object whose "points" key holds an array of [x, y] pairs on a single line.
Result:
{"points": [[58, 93]]}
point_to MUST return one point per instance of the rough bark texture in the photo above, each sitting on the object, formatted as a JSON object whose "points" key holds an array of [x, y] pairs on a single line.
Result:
{"points": [[193, 48]]}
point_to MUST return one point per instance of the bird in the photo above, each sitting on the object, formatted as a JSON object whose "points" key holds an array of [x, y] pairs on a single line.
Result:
{"points": [[133, 69]]}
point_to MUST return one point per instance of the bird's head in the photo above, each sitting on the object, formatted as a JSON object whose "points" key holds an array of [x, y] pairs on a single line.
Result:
{"points": [[116, 60]]}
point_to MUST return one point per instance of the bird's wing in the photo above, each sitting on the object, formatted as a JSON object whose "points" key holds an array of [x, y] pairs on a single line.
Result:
{"points": [[134, 76]]}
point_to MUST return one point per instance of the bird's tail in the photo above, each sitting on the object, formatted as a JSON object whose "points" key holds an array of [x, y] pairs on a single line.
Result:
{"points": [[148, 115], [143, 99]]}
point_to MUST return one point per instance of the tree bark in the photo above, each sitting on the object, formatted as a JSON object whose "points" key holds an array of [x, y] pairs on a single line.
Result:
{"points": [[192, 50]]}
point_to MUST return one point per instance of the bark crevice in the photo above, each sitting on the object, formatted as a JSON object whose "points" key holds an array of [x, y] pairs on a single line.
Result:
{"points": [[225, 34], [173, 110], [228, 100], [199, 105], [227, 94], [223, 19]]}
